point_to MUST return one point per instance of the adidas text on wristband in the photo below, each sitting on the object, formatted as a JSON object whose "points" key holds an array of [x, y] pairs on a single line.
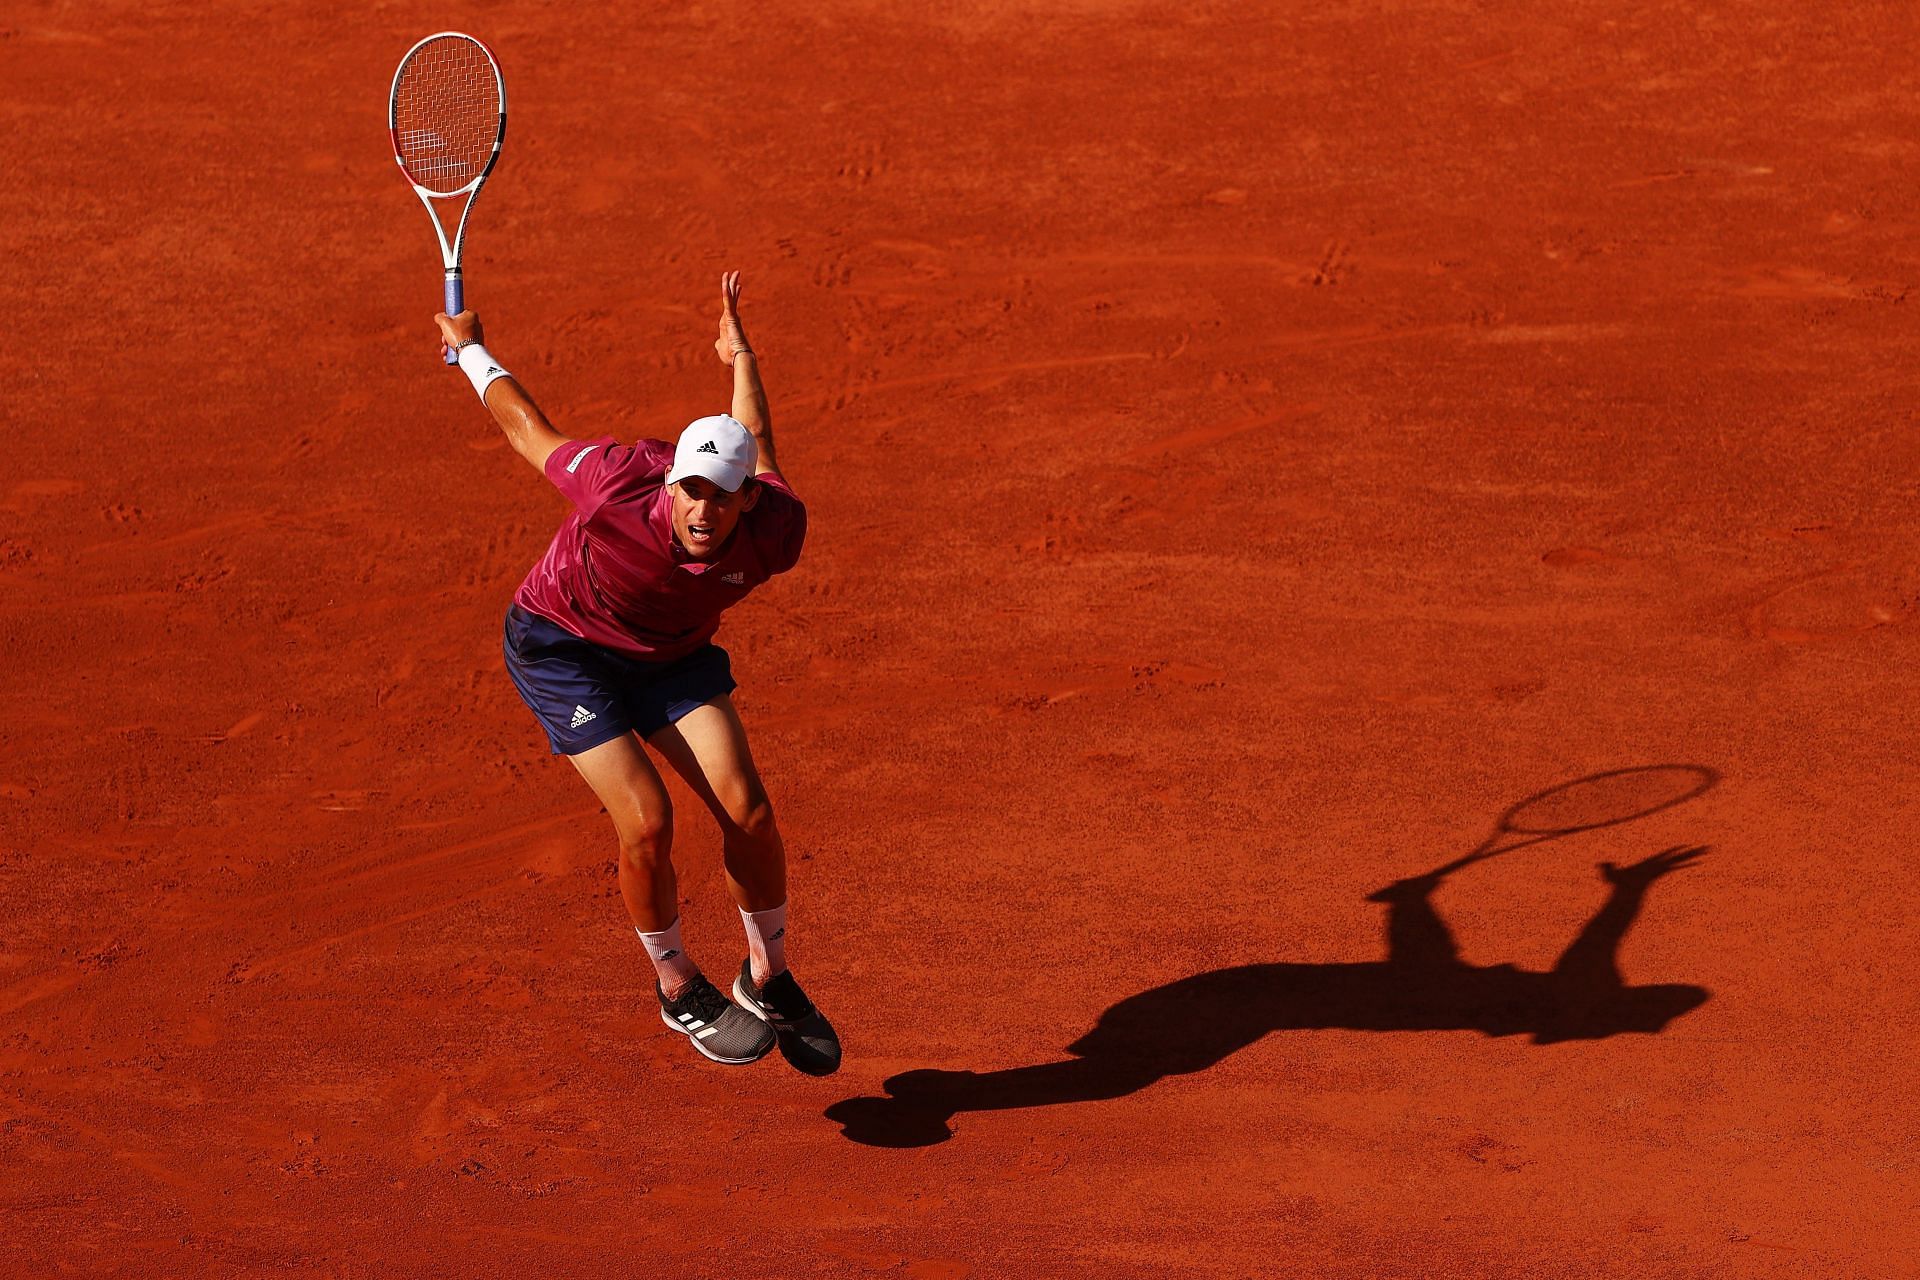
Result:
{"points": [[481, 368]]}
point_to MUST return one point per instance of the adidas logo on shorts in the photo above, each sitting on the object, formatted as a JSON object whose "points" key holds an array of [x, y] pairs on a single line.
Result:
{"points": [[581, 715]]}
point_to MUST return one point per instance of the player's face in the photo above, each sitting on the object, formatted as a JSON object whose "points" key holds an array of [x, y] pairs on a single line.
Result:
{"points": [[704, 514]]}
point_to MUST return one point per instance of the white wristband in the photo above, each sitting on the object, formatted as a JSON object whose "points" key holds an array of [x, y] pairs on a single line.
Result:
{"points": [[481, 368]]}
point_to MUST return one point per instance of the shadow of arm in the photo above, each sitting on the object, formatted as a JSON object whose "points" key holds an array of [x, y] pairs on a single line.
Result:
{"points": [[1592, 959]]}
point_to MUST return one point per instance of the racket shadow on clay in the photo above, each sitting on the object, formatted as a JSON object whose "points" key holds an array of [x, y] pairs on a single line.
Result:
{"points": [[1421, 984]]}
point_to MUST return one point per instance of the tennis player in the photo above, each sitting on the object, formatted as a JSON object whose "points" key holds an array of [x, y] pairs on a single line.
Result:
{"points": [[610, 642]]}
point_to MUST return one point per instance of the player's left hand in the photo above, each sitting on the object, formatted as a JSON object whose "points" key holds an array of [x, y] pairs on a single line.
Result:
{"points": [[733, 338], [1644, 872], [457, 329]]}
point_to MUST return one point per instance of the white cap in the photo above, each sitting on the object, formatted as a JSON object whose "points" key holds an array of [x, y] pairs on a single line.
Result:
{"points": [[718, 448]]}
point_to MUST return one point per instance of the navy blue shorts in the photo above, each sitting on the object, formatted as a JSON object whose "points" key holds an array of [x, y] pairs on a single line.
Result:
{"points": [[584, 695]]}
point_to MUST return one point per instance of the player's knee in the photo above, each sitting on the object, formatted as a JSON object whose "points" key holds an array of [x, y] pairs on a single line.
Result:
{"points": [[646, 840], [754, 816]]}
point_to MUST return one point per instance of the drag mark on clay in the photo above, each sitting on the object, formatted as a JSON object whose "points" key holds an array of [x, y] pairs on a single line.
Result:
{"points": [[277, 962], [1118, 676], [1829, 605], [1293, 268], [1335, 263], [1487, 61], [1212, 435], [532, 1234], [252, 521], [1323, 339], [1806, 284], [1652, 179], [246, 724], [1550, 332], [1694, 169], [996, 373], [39, 987], [1567, 557], [395, 876], [43, 489], [146, 1162], [983, 377], [356, 872]]}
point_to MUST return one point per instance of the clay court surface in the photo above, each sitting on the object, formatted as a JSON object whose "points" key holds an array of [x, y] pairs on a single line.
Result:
{"points": [[1249, 448]]}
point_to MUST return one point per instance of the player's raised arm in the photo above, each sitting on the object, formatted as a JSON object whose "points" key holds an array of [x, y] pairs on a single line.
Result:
{"points": [[749, 396], [526, 428]]}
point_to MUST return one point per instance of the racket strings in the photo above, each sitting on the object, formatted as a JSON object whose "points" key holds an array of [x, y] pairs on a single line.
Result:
{"points": [[446, 113], [1607, 799]]}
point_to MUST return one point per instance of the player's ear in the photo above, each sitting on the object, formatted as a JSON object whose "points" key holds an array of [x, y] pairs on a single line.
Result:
{"points": [[749, 494]]}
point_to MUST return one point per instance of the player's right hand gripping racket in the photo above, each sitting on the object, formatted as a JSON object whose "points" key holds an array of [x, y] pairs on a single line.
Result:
{"points": [[448, 116]]}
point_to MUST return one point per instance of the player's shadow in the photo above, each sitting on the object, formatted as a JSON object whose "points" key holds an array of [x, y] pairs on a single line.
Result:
{"points": [[1421, 985]]}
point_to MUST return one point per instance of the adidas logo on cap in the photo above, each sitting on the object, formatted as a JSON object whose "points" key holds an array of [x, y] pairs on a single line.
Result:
{"points": [[707, 447]]}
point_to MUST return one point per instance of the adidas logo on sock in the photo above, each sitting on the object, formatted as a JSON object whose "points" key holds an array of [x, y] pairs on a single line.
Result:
{"points": [[707, 447], [581, 715]]}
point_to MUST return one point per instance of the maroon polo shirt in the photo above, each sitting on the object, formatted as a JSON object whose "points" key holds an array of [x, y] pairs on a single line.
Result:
{"points": [[614, 574]]}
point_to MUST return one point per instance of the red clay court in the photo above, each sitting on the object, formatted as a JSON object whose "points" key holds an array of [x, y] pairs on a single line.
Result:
{"points": [[1249, 448]]}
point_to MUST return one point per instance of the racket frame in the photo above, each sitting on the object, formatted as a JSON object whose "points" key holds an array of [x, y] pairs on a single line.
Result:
{"points": [[454, 292], [1705, 780]]}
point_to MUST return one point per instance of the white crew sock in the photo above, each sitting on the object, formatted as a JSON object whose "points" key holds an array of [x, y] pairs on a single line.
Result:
{"points": [[766, 941], [669, 958]]}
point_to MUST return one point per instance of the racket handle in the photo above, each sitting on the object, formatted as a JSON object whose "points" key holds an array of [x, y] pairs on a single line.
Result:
{"points": [[456, 303]]}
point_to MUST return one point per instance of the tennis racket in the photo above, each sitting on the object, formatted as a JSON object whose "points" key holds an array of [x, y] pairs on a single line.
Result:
{"points": [[1587, 804], [447, 113]]}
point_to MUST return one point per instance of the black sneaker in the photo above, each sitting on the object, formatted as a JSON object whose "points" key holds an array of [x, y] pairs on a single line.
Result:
{"points": [[718, 1027], [806, 1037]]}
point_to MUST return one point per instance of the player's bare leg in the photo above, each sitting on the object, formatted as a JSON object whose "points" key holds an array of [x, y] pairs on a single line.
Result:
{"points": [[708, 748], [635, 798], [637, 801]]}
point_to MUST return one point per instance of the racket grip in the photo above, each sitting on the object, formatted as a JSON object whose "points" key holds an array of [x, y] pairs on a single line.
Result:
{"points": [[456, 303]]}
